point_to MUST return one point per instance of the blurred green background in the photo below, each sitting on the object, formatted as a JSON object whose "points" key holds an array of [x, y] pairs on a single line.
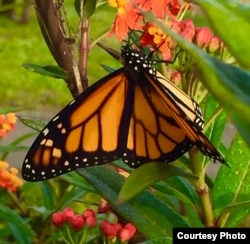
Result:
{"points": [[23, 43]]}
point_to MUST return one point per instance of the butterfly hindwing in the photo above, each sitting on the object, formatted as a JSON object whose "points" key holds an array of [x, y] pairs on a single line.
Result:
{"points": [[153, 134], [188, 118], [181, 100]]}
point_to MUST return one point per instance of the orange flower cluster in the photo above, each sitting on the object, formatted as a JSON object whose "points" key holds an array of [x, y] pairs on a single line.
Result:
{"points": [[7, 123], [9, 178], [170, 11]]}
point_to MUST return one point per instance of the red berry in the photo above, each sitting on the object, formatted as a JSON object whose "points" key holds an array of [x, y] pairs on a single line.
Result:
{"points": [[88, 212], [109, 230], [76, 222], [127, 232], [68, 213], [118, 226], [124, 235], [91, 221], [58, 219]]}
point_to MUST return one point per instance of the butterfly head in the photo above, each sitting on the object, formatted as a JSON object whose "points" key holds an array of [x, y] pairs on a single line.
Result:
{"points": [[138, 60]]}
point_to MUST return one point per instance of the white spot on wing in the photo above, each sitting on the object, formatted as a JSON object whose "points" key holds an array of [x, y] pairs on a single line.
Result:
{"points": [[55, 118], [45, 131]]}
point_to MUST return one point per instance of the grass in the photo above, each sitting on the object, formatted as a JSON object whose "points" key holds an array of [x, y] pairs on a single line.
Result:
{"points": [[23, 43]]}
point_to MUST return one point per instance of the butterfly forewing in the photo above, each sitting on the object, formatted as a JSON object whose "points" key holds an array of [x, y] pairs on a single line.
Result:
{"points": [[84, 133]]}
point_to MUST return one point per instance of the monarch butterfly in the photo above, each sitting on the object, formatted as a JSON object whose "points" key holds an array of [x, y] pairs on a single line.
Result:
{"points": [[134, 113]]}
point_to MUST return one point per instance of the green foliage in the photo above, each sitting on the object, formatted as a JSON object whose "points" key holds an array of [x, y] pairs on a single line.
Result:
{"points": [[152, 172], [47, 70], [89, 7], [231, 29], [23, 43], [143, 210], [231, 200]]}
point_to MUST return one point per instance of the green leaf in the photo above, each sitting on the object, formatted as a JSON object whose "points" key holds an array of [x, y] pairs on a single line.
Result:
{"points": [[149, 214], [183, 187], [48, 194], [236, 216], [35, 124], [7, 149], [230, 20], [88, 8], [107, 68], [10, 216], [73, 178], [193, 216], [47, 70], [20, 238], [146, 175], [216, 119], [232, 185], [226, 82]]}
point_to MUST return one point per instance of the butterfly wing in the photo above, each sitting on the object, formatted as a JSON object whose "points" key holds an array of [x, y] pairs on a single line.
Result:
{"points": [[84, 133], [180, 110], [190, 108], [188, 117], [132, 114], [153, 135]]}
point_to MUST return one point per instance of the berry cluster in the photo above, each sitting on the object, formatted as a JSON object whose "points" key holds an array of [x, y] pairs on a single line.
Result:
{"points": [[114, 232], [76, 221], [117, 231]]}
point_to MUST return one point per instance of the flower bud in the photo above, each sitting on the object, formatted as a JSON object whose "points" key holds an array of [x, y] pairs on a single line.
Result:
{"points": [[68, 213], [103, 206], [127, 232], [91, 221], [88, 212], [109, 230], [76, 222], [203, 36], [58, 219], [214, 44], [187, 29]]}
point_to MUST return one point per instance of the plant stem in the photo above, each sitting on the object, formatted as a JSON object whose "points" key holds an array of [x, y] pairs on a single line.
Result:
{"points": [[202, 188]]}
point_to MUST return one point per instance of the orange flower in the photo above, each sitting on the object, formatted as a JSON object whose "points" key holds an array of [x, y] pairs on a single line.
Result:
{"points": [[186, 29], [128, 15], [161, 8], [174, 7], [9, 178], [153, 36], [127, 18], [7, 123]]}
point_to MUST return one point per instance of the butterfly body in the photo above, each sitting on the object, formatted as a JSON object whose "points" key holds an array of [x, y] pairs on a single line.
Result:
{"points": [[133, 113]]}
